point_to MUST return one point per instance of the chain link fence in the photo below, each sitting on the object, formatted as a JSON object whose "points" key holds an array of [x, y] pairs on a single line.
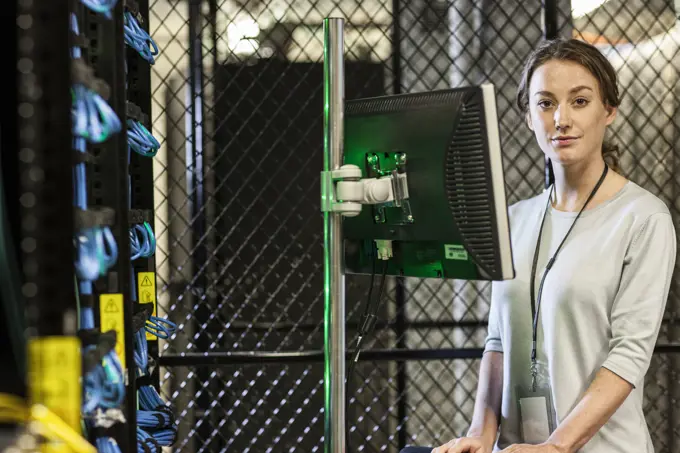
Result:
{"points": [[237, 105]]}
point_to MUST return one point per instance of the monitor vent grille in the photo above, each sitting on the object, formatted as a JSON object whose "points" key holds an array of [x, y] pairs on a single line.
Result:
{"points": [[466, 187], [393, 104]]}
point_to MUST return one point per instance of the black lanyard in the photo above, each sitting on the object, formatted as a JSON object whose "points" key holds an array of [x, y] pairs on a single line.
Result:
{"points": [[535, 309]]}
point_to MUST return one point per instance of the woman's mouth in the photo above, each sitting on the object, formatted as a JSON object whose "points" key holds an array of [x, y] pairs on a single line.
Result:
{"points": [[564, 140]]}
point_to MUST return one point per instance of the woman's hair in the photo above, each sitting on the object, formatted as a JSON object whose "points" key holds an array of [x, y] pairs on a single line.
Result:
{"points": [[587, 56]]}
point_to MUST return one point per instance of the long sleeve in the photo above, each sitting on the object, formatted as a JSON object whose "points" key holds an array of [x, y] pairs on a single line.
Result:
{"points": [[641, 299]]}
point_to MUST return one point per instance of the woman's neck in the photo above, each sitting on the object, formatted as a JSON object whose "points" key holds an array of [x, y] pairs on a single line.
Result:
{"points": [[574, 184]]}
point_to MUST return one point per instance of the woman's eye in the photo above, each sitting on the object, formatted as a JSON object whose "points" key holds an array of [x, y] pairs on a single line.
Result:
{"points": [[544, 104], [581, 102]]}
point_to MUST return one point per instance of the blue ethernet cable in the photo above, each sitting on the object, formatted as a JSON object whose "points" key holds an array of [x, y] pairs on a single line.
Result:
{"points": [[97, 250], [93, 117], [149, 399], [160, 327], [107, 445], [103, 7], [137, 38], [146, 443], [142, 238], [165, 437], [108, 248], [141, 140], [153, 419], [153, 416], [75, 50], [142, 241], [104, 387], [159, 425]]}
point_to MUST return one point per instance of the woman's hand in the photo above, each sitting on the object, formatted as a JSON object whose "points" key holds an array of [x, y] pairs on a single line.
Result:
{"points": [[464, 445], [541, 448]]}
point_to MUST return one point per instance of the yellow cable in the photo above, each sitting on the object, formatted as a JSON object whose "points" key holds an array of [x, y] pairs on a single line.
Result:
{"points": [[52, 448], [55, 426], [8, 401], [47, 423], [12, 409]]}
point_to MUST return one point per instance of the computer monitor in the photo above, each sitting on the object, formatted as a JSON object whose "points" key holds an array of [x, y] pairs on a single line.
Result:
{"points": [[454, 223]]}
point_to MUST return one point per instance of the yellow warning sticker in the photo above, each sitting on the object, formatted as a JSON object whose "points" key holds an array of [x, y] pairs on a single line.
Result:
{"points": [[54, 376], [146, 292], [111, 318]]}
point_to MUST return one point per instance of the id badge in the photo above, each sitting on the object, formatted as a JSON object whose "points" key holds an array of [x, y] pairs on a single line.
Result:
{"points": [[536, 414]]}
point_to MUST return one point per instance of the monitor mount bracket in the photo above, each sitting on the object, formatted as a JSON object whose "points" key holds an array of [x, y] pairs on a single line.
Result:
{"points": [[344, 191]]}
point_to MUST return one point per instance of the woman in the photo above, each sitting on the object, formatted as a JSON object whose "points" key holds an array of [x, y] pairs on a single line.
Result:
{"points": [[571, 337]]}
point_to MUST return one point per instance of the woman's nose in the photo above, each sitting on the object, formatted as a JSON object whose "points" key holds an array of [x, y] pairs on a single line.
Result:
{"points": [[562, 118]]}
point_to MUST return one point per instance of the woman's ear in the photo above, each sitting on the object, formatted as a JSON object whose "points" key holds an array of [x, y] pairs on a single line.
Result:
{"points": [[527, 118], [611, 114]]}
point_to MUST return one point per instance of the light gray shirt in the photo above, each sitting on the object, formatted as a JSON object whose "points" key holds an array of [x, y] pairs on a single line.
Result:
{"points": [[602, 306]]}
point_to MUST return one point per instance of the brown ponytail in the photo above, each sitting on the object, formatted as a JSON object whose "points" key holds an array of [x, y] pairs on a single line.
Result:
{"points": [[612, 156]]}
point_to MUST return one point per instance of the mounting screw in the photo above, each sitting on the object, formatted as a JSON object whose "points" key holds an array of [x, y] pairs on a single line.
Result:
{"points": [[409, 218]]}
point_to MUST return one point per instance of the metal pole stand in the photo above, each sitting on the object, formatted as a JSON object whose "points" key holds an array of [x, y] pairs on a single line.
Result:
{"points": [[334, 269]]}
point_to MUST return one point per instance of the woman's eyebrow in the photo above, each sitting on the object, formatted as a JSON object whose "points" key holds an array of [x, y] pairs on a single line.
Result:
{"points": [[572, 91]]}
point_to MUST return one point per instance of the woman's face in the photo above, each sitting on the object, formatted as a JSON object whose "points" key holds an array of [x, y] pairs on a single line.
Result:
{"points": [[566, 112]]}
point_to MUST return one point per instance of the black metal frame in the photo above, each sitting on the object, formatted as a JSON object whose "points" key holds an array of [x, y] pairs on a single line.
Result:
{"points": [[41, 199], [369, 355], [141, 168], [13, 381], [141, 177], [286, 358], [108, 186], [139, 92], [44, 138], [37, 176]]}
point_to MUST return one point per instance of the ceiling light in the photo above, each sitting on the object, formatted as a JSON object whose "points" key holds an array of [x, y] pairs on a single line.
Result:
{"points": [[580, 8]]}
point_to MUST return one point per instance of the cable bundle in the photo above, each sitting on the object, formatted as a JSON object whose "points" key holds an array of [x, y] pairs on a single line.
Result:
{"points": [[107, 445], [96, 253], [104, 387], [160, 327], [154, 416], [103, 7], [138, 39], [93, 117], [146, 443], [140, 139], [159, 425], [142, 241], [42, 426]]}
